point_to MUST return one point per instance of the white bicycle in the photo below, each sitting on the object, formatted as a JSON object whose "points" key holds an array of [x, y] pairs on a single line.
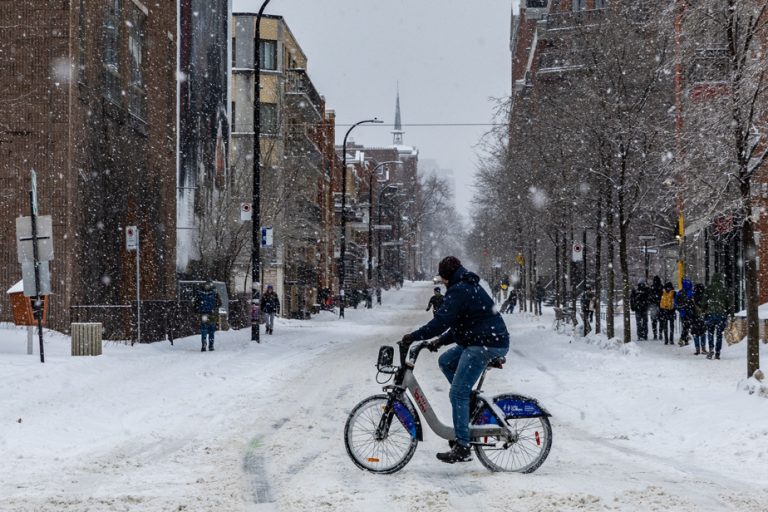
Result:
{"points": [[508, 432]]}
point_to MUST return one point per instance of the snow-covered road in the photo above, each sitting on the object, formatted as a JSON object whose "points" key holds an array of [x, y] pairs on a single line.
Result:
{"points": [[259, 427]]}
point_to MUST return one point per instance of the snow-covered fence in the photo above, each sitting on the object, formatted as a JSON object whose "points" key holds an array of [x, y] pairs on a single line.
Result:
{"points": [[86, 339]]}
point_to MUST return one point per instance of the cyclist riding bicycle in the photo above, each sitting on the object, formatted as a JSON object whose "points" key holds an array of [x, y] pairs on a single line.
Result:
{"points": [[469, 319]]}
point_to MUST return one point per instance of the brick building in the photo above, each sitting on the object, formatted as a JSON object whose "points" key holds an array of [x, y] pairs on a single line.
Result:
{"points": [[79, 105]]}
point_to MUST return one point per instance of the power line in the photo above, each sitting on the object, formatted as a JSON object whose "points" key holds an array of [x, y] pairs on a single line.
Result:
{"points": [[436, 124]]}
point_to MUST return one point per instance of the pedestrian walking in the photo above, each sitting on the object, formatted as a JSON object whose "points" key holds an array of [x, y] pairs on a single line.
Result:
{"points": [[654, 308], [697, 320], [684, 307], [667, 313], [270, 306], [639, 302], [207, 304], [717, 312], [435, 301], [509, 305], [539, 293]]}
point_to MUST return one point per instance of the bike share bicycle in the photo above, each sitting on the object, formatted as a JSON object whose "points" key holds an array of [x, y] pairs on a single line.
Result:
{"points": [[509, 432]]}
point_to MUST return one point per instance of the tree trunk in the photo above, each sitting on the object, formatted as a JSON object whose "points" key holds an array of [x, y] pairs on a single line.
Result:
{"points": [[750, 276], [623, 257], [598, 270], [609, 323], [557, 273]]}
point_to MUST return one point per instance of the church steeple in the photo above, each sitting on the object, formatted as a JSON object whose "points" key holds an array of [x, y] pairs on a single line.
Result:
{"points": [[397, 133]]}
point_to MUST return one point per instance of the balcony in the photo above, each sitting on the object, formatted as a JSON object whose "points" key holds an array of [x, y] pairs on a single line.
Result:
{"points": [[302, 96], [560, 62], [560, 22]]}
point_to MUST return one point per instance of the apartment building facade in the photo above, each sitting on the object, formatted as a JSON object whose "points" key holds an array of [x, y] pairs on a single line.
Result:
{"points": [[298, 168]]}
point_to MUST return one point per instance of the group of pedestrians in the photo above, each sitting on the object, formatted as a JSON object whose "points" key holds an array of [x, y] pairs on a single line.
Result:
{"points": [[703, 311]]}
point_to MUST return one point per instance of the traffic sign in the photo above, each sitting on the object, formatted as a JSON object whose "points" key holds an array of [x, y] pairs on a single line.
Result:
{"points": [[649, 251], [577, 252], [131, 238], [24, 249], [28, 276], [245, 212], [266, 236]]}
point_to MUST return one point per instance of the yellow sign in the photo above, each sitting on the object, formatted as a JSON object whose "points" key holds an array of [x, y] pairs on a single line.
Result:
{"points": [[520, 260]]}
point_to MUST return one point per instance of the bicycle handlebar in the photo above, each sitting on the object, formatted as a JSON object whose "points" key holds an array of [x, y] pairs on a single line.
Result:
{"points": [[411, 351]]}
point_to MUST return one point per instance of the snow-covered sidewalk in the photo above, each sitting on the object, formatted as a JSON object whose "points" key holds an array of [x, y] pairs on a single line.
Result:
{"points": [[259, 427]]}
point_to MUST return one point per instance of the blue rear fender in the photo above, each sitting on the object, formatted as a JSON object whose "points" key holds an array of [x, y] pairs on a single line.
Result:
{"points": [[408, 417], [513, 406]]}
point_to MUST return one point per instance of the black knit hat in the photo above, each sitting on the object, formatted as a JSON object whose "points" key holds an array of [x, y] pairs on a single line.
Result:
{"points": [[448, 266]]}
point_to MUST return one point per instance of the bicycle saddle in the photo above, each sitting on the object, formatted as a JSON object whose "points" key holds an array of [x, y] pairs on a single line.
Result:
{"points": [[497, 362]]}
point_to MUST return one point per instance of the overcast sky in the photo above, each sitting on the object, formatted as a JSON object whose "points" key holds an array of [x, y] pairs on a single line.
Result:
{"points": [[449, 57]]}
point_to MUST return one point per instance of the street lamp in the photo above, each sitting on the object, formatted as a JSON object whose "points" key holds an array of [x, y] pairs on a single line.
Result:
{"points": [[255, 207], [370, 215], [343, 245]]}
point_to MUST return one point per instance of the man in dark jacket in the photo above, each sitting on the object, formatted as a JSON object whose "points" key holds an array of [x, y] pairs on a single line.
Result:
{"points": [[467, 318], [717, 312], [654, 309], [207, 304], [684, 306], [435, 301], [639, 301], [270, 306]]}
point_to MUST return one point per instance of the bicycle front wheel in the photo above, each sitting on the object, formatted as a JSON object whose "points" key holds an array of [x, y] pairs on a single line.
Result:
{"points": [[386, 455], [523, 455]]}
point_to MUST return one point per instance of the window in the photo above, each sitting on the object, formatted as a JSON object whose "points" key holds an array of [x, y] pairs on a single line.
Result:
{"points": [[601, 4], [268, 54], [234, 53], [268, 118], [136, 35], [579, 5], [111, 57], [233, 117], [81, 43]]}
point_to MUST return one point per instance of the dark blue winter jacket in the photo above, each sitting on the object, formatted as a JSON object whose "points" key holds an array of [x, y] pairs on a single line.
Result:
{"points": [[467, 314], [684, 298]]}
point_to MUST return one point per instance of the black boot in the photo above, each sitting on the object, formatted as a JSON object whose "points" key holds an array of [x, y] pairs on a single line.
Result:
{"points": [[458, 453], [717, 355], [210, 347], [203, 349]]}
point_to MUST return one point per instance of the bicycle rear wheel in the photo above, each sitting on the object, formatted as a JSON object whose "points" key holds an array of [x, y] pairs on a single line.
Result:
{"points": [[534, 440], [386, 455]]}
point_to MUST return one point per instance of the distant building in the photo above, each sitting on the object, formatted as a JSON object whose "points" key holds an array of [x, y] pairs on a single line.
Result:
{"points": [[298, 165], [401, 244], [87, 98]]}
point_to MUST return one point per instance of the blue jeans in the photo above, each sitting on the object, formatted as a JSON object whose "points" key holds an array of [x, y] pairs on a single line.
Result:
{"points": [[715, 327], [462, 366], [207, 330], [700, 341]]}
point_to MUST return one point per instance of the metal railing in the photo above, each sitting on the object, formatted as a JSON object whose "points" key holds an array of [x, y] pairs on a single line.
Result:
{"points": [[711, 65]]}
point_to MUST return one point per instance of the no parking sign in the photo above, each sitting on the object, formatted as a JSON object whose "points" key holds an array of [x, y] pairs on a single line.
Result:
{"points": [[578, 252]]}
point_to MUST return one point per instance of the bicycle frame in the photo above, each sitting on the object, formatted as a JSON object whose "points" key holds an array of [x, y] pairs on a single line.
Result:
{"points": [[406, 380]]}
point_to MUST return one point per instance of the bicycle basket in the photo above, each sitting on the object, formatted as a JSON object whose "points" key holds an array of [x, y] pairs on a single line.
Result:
{"points": [[385, 359]]}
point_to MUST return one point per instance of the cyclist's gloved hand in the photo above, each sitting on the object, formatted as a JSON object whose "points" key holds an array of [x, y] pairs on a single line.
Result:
{"points": [[434, 345], [407, 339]]}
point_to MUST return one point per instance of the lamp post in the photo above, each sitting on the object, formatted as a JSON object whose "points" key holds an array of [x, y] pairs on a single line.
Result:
{"points": [[256, 205], [378, 258], [370, 215], [343, 245]]}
